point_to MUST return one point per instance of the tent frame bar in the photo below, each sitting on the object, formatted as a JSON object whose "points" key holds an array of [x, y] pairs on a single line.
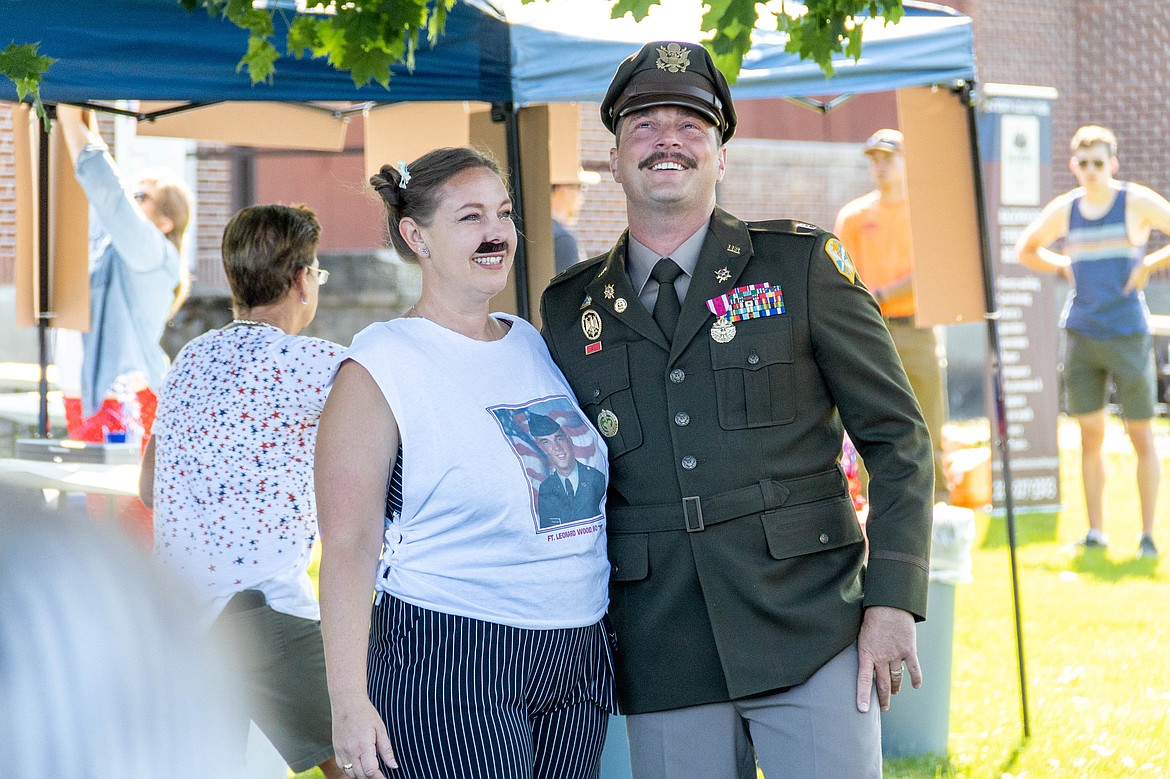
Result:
{"points": [[965, 92], [821, 106]]}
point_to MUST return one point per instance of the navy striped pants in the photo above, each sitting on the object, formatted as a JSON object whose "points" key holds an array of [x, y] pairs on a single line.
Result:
{"points": [[468, 699]]}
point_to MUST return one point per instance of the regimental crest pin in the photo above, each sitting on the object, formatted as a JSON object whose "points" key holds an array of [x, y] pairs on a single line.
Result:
{"points": [[591, 324], [723, 330], [607, 423], [674, 58], [609, 292], [586, 302], [722, 275], [733, 248], [840, 259], [619, 305]]}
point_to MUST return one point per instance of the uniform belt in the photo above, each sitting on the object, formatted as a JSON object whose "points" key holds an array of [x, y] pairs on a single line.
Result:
{"points": [[695, 513]]}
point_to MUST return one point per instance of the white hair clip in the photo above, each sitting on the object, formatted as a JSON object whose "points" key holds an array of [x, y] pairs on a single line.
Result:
{"points": [[404, 174]]}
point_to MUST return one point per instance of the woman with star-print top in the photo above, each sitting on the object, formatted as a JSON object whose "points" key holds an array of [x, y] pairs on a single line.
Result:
{"points": [[230, 473]]}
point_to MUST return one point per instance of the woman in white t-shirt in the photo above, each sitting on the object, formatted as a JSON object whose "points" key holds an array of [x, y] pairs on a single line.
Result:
{"points": [[486, 654]]}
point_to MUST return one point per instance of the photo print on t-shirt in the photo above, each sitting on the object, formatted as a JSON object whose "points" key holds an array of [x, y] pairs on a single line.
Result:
{"points": [[561, 458]]}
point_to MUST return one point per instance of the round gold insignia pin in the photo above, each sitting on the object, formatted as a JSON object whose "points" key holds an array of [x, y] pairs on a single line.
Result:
{"points": [[591, 324], [607, 423]]}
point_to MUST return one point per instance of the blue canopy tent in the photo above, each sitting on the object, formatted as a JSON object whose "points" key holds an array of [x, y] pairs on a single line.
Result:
{"points": [[542, 52], [549, 51]]}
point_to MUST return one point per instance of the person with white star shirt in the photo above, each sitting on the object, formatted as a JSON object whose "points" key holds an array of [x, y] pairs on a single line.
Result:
{"points": [[229, 472]]}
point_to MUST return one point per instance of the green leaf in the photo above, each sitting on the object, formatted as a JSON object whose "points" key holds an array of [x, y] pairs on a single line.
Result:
{"points": [[303, 36], [371, 65], [635, 8], [22, 63], [25, 68], [260, 60]]}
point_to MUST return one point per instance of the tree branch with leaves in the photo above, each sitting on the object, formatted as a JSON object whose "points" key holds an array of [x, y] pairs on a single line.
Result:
{"points": [[366, 38]]}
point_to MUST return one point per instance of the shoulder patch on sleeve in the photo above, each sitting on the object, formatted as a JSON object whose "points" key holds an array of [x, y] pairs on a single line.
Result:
{"points": [[790, 226], [840, 259]]}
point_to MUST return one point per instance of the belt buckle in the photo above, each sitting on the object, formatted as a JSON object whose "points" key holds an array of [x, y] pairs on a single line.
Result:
{"points": [[693, 507]]}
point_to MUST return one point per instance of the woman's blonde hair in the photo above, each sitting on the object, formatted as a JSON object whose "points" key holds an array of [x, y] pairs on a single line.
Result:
{"points": [[172, 198]]}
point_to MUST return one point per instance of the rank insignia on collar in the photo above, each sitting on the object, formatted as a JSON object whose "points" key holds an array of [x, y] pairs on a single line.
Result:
{"points": [[619, 305], [587, 301], [733, 248], [840, 259], [609, 292], [722, 275], [673, 58]]}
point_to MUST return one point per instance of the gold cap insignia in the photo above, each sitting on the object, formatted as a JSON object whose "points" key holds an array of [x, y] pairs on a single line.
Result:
{"points": [[673, 58]]}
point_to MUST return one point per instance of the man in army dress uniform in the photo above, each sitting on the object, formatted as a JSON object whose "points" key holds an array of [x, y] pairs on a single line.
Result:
{"points": [[722, 360]]}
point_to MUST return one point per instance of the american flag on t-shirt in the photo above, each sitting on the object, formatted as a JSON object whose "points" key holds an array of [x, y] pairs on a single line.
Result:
{"points": [[514, 422]]}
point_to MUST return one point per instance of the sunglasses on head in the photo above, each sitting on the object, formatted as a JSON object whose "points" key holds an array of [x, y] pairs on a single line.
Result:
{"points": [[1098, 164]]}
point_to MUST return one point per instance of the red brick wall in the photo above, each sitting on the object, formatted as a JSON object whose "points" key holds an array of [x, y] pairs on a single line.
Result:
{"points": [[1106, 60], [7, 200], [1121, 81], [213, 197]]}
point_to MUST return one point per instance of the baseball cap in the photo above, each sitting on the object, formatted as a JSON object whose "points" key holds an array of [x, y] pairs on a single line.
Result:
{"points": [[885, 140]]}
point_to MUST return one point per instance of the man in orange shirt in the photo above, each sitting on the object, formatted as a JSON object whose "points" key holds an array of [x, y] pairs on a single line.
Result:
{"points": [[875, 229]]}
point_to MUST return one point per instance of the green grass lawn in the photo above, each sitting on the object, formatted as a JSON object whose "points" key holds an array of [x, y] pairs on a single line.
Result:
{"points": [[1097, 644], [1096, 641]]}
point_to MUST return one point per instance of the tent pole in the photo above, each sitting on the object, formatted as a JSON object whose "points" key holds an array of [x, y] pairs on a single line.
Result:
{"points": [[515, 173], [996, 355], [44, 277]]}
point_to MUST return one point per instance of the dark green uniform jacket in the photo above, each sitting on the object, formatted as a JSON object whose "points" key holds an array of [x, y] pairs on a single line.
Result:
{"points": [[738, 563]]}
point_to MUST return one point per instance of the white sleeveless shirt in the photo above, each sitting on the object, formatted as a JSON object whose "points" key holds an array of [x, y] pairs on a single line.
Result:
{"points": [[470, 539]]}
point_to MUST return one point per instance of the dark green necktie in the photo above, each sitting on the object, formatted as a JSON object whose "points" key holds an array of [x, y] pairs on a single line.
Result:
{"points": [[666, 306]]}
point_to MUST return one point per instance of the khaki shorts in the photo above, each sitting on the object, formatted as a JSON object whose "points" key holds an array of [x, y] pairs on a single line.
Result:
{"points": [[282, 660], [1089, 364]]}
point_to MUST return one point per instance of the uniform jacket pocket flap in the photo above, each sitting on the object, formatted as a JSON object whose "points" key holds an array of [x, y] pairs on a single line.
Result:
{"points": [[608, 372], [752, 352], [629, 558], [812, 527]]}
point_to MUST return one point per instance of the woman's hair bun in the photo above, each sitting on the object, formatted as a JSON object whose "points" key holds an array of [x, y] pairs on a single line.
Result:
{"points": [[387, 183]]}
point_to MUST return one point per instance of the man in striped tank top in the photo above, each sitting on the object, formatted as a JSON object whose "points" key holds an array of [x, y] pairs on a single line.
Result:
{"points": [[1105, 224]]}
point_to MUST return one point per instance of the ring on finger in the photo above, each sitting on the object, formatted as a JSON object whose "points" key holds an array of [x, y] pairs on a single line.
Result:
{"points": [[347, 767]]}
